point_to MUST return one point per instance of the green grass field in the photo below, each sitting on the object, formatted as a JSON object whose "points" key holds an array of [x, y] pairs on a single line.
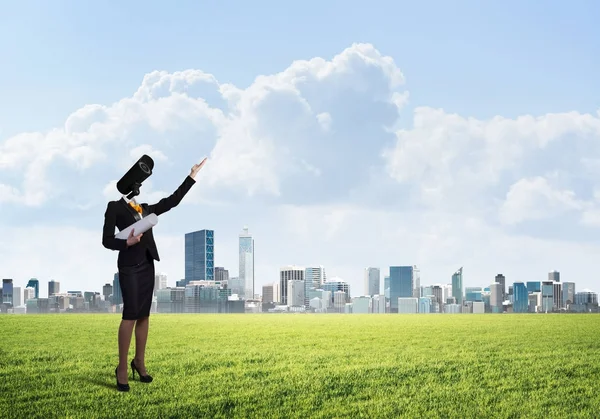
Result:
{"points": [[300, 366]]}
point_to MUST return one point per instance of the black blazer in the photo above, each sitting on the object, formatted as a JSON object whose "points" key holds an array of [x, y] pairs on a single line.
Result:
{"points": [[121, 215]]}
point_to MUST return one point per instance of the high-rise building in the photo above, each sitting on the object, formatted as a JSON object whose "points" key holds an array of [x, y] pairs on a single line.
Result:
{"points": [[372, 281], [288, 273], [521, 298], [221, 274], [386, 286], [35, 284], [117, 296], [416, 283], [496, 297], [314, 278], [568, 293], [554, 276], [547, 296], [107, 291], [28, 294], [160, 282], [295, 292], [7, 292], [534, 286], [501, 279], [199, 256], [17, 297], [401, 285], [457, 286], [267, 294], [557, 295], [246, 261], [53, 287]]}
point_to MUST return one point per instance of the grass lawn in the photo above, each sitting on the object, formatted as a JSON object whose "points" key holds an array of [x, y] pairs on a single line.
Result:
{"points": [[301, 366]]}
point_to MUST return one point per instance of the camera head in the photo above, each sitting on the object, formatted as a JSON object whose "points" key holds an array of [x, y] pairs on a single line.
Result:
{"points": [[131, 182]]}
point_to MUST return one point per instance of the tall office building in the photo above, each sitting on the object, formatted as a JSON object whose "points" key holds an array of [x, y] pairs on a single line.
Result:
{"points": [[496, 297], [7, 291], [417, 282], [457, 286], [35, 284], [221, 274], [568, 293], [288, 273], [386, 286], [160, 282], [107, 291], [534, 286], [117, 296], [521, 298], [401, 285], [199, 256], [554, 276], [372, 281], [501, 279], [314, 278], [53, 288], [267, 294], [246, 272], [557, 295], [295, 292], [17, 297], [547, 296]]}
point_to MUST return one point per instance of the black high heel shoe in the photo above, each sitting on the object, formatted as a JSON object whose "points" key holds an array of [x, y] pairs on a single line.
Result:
{"points": [[121, 387], [143, 378]]}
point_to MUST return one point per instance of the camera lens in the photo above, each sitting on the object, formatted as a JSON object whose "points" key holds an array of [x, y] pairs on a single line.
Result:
{"points": [[144, 168]]}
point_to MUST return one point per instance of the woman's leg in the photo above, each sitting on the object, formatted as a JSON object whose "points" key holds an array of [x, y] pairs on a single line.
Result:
{"points": [[141, 337], [125, 332]]}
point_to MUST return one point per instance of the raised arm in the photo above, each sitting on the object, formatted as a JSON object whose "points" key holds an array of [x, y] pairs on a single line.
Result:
{"points": [[108, 231], [172, 201]]}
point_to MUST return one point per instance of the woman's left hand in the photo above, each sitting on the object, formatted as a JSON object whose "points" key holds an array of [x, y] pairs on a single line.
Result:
{"points": [[196, 168]]}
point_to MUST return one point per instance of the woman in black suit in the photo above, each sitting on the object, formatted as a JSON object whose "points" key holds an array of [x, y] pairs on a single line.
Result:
{"points": [[136, 272]]}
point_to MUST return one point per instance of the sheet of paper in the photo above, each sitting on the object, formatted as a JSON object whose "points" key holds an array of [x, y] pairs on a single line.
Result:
{"points": [[140, 226]]}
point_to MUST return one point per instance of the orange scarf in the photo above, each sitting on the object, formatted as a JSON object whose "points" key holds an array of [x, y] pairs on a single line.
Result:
{"points": [[136, 207]]}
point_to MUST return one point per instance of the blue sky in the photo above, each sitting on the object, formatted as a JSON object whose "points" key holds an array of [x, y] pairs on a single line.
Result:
{"points": [[475, 59]]}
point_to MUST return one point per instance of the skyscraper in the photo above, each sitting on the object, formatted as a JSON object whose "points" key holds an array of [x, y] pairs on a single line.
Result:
{"points": [[7, 292], [117, 296], [34, 283], [314, 278], [457, 286], [521, 298], [417, 282], [199, 256], [160, 282], [496, 297], [500, 279], [246, 273], [568, 293], [554, 276], [372, 281], [288, 273], [53, 287], [401, 285]]}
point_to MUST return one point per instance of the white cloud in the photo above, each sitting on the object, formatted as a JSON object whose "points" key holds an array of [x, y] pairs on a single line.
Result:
{"points": [[310, 158], [536, 199]]}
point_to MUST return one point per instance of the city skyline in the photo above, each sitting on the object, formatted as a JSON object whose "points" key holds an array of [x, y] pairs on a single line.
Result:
{"points": [[441, 150]]}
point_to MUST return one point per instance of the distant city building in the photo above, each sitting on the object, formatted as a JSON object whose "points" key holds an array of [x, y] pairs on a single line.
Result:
{"points": [[160, 282], [362, 305], [534, 286], [547, 296], [35, 284], [314, 278], [53, 288], [7, 292], [199, 256], [372, 277], [221, 274], [17, 297], [107, 291], [288, 273], [117, 296], [521, 298], [501, 279], [557, 295], [496, 297], [568, 293], [401, 285], [408, 305], [554, 276], [416, 282], [246, 263], [457, 286], [335, 284]]}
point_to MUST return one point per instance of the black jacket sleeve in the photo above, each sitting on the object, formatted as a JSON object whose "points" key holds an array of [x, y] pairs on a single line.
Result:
{"points": [[108, 231], [172, 201]]}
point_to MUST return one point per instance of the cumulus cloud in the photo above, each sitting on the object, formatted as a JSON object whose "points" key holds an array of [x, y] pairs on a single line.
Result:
{"points": [[313, 160]]}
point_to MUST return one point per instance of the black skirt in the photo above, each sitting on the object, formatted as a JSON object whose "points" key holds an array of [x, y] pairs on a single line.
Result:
{"points": [[137, 287]]}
